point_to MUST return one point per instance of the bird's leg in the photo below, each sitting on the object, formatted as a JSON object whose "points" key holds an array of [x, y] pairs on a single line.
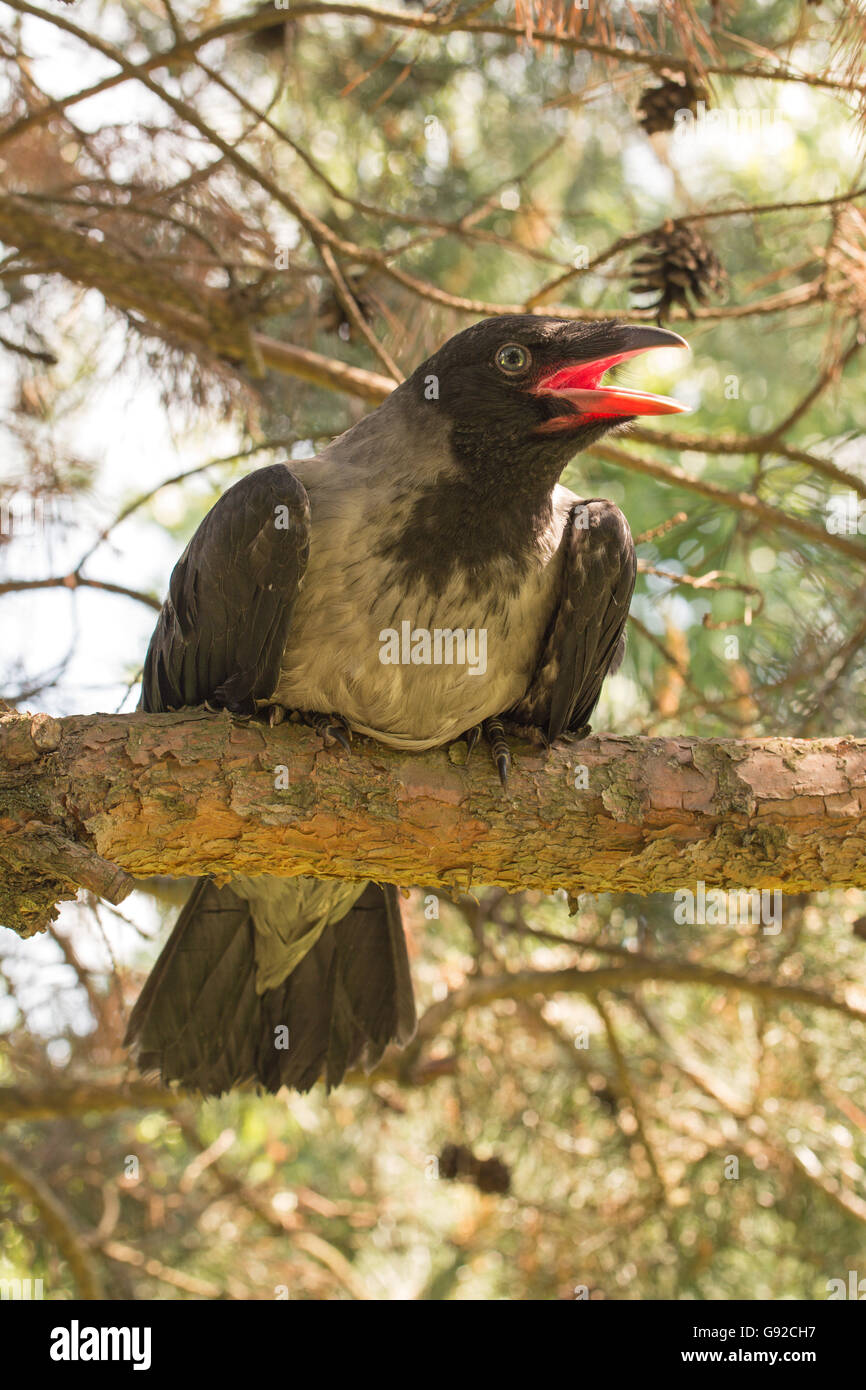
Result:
{"points": [[331, 728], [472, 736], [495, 735]]}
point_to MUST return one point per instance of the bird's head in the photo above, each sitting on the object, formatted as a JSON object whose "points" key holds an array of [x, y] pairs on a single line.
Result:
{"points": [[528, 390]]}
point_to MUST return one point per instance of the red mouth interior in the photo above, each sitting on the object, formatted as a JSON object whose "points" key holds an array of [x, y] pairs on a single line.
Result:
{"points": [[586, 374], [579, 387]]}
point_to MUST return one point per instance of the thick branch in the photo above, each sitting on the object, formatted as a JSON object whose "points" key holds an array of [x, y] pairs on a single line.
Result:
{"points": [[195, 793], [262, 17], [203, 320]]}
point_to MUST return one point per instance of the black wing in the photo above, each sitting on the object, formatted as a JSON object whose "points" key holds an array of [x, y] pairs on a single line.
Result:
{"points": [[223, 628], [586, 637]]}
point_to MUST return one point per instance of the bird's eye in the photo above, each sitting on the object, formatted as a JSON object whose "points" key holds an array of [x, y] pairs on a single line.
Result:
{"points": [[513, 358]]}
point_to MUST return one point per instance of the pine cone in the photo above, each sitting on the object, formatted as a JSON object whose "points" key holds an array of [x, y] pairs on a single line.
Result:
{"points": [[331, 314], [679, 266], [658, 106], [493, 1176], [452, 1160], [487, 1174], [273, 38]]}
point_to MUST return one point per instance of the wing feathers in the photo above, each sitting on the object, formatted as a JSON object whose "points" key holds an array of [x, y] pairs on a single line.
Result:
{"points": [[223, 628], [585, 639]]}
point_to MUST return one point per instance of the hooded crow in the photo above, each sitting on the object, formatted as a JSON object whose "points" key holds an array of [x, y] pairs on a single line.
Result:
{"points": [[422, 579]]}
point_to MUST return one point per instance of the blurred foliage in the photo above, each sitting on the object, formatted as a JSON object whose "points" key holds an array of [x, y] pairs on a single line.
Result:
{"points": [[724, 1159], [488, 169]]}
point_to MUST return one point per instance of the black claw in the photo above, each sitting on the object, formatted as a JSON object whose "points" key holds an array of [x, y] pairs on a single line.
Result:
{"points": [[472, 736], [340, 735], [330, 728], [495, 735]]}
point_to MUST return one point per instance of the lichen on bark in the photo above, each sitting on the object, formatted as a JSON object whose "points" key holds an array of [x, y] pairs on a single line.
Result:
{"points": [[197, 793]]}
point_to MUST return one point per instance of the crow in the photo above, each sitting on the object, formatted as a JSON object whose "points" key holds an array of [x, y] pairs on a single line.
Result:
{"points": [[422, 579]]}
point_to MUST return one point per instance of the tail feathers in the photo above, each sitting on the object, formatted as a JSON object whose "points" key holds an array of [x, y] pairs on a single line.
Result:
{"points": [[199, 1019], [372, 1003]]}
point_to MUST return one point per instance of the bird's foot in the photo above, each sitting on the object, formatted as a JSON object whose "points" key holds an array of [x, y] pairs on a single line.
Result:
{"points": [[331, 728], [472, 736], [495, 735]]}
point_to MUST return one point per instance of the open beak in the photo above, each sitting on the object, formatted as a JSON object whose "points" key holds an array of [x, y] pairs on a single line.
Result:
{"points": [[578, 385]]}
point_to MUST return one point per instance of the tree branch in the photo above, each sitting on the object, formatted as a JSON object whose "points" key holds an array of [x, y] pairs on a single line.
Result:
{"points": [[58, 1223], [740, 501], [200, 793], [205, 321]]}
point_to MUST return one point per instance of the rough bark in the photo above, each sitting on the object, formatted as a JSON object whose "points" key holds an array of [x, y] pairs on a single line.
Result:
{"points": [[97, 800]]}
